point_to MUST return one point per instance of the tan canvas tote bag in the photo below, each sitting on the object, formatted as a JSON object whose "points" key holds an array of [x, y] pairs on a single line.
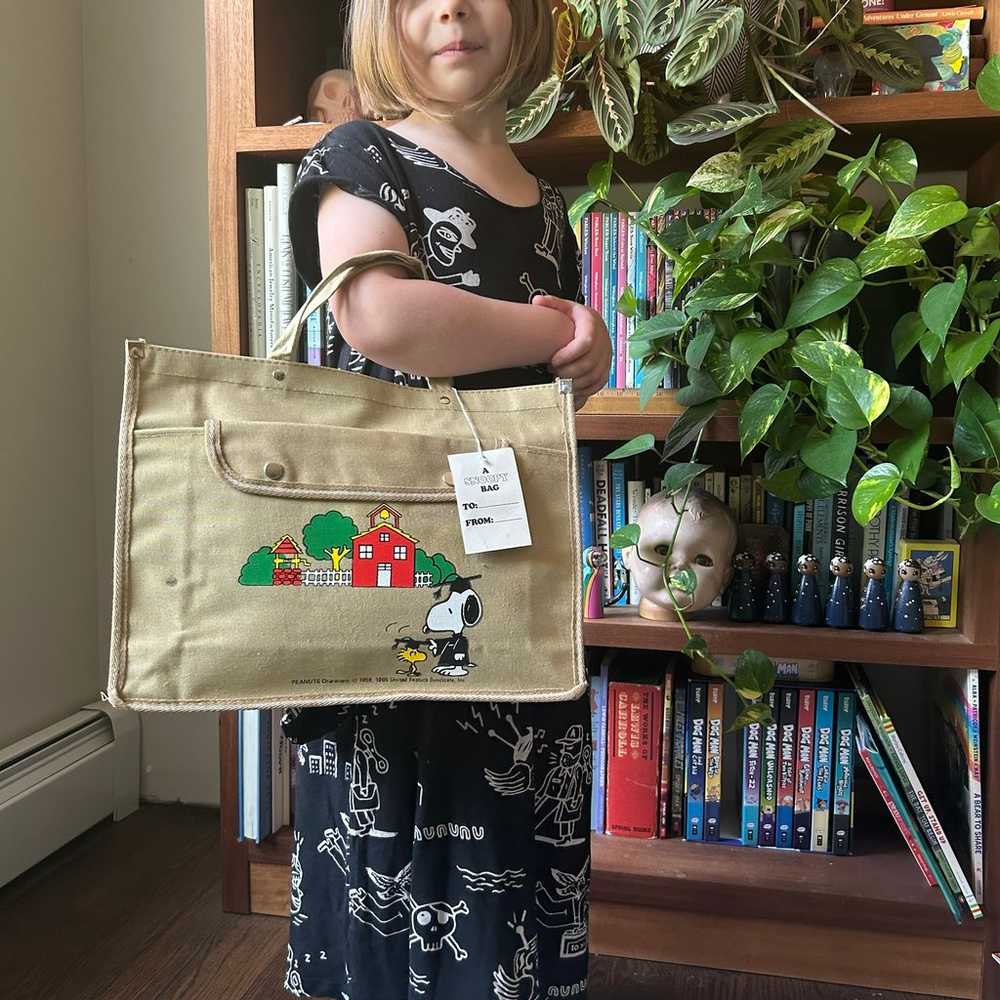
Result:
{"points": [[288, 535]]}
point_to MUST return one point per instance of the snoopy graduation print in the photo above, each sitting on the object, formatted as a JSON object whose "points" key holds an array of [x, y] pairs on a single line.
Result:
{"points": [[289, 535]]}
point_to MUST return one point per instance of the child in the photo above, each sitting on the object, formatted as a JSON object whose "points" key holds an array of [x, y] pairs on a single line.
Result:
{"points": [[442, 849]]}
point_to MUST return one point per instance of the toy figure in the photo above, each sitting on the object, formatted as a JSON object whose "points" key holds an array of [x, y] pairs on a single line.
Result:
{"points": [[776, 600], [741, 592], [908, 611], [874, 613], [806, 608], [705, 543], [593, 582], [840, 604]]}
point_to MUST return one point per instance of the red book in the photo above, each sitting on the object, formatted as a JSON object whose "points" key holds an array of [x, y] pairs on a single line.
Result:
{"points": [[802, 831], [634, 724]]}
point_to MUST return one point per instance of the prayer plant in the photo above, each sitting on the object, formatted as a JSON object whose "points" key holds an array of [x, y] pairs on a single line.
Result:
{"points": [[825, 304]]}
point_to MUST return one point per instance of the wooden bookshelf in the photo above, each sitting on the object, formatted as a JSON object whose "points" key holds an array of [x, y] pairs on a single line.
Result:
{"points": [[868, 920]]}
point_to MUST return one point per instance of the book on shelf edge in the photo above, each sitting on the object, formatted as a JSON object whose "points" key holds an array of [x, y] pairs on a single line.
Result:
{"points": [[633, 758], [802, 829], [826, 704], [788, 704], [713, 759], [694, 756], [769, 776], [843, 774]]}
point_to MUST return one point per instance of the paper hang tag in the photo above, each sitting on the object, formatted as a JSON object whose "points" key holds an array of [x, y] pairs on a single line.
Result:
{"points": [[490, 502]]}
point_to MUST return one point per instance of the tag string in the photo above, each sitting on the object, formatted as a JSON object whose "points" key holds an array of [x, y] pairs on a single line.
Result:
{"points": [[468, 420]]}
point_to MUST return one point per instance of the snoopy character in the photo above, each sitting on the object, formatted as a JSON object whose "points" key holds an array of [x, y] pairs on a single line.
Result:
{"points": [[460, 610]]}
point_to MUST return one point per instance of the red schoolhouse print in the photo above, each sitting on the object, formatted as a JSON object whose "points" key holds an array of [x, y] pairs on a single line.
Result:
{"points": [[383, 556]]}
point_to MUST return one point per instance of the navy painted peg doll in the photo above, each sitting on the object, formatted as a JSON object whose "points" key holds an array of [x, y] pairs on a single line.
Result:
{"points": [[908, 611], [806, 608], [776, 598], [741, 591], [874, 612], [840, 603]]}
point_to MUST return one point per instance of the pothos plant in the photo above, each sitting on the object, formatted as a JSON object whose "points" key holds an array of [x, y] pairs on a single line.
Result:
{"points": [[656, 71], [770, 311]]}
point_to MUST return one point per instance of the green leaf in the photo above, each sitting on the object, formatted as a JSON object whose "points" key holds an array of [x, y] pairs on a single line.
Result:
{"points": [[695, 646], [830, 287], [611, 102], [964, 353], [660, 324], [850, 173], [698, 346], [720, 174], [906, 335], [678, 476], [528, 119], [988, 83], [939, 304], [925, 211], [748, 348], [666, 193], [785, 484], [882, 253], [660, 23], [883, 54], [650, 377], [874, 490], [954, 472], [908, 407], [984, 240], [715, 121], [685, 581], [621, 29], [830, 454], [974, 411], [685, 268], [820, 359], [856, 397], [783, 153], [755, 674], [687, 426], [908, 452], [758, 414], [581, 206], [723, 290], [599, 176], [988, 504], [983, 295], [853, 222], [626, 535], [756, 714], [644, 442], [702, 386], [626, 303], [896, 162], [779, 222], [706, 38]]}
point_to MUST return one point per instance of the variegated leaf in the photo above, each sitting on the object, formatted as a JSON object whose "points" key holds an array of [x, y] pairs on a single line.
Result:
{"points": [[587, 9], [621, 28], [785, 152], [611, 102], [845, 20], [661, 21], [885, 55], [649, 139], [705, 39], [715, 121], [566, 31], [783, 17], [527, 120]]}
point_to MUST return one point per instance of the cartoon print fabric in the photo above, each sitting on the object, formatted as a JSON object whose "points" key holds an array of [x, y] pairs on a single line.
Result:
{"points": [[440, 849]]}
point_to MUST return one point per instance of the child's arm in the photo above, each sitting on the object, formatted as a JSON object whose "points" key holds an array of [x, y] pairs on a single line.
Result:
{"points": [[424, 327]]}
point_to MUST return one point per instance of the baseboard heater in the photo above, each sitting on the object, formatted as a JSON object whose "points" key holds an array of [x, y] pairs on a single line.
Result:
{"points": [[60, 781]]}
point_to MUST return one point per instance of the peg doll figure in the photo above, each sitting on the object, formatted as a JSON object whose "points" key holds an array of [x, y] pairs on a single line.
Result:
{"points": [[840, 604], [741, 591], [776, 599], [874, 612], [593, 582], [806, 608], [908, 611]]}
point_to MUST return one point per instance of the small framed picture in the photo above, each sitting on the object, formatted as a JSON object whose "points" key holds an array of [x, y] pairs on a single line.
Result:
{"points": [[938, 579]]}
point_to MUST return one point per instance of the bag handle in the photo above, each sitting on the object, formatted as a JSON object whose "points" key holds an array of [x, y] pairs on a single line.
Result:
{"points": [[286, 346]]}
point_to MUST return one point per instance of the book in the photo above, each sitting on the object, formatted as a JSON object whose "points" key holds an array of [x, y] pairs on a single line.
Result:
{"points": [[843, 774], [822, 543], [666, 751], [585, 496], [602, 520], [255, 270], [788, 704], [769, 779], [912, 788], [826, 703], [713, 759], [802, 829], [633, 758], [926, 15], [635, 497], [678, 763], [749, 831], [694, 755], [617, 572], [944, 51], [598, 737]]}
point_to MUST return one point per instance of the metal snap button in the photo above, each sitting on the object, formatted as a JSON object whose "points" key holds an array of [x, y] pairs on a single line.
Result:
{"points": [[445, 399], [274, 470], [448, 480], [279, 375]]}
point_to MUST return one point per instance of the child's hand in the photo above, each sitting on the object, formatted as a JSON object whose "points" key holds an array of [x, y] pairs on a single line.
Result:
{"points": [[586, 359]]}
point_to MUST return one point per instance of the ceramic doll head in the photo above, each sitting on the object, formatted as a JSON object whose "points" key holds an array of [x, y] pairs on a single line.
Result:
{"points": [[874, 568], [705, 544], [841, 566], [909, 569], [807, 564], [776, 562]]}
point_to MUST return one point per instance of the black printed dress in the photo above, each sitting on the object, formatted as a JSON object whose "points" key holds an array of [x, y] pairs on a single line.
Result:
{"points": [[441, 850]]}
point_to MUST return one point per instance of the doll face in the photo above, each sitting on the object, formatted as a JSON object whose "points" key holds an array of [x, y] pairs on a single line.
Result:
{"points": [[840, 566], [776, 562], [909, 569], [807, 564], [704, 545], [874, 568]]}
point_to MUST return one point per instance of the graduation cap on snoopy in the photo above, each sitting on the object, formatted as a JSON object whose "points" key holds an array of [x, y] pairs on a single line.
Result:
{"points": [[458, 584]]}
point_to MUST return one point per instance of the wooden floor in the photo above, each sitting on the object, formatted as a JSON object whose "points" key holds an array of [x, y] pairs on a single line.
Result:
{"points": [[133, 911]]}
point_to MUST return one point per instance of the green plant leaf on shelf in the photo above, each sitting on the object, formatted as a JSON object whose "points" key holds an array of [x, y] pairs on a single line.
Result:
{"points": [[907, 453], [975, 412], [627, 303], [965, 352], [665, 194], [707, 36], [650, 376], [720, 174], [581, 205], [715, 121], [984, 240], [850, 173], [660, 23], [988, 83], [988, 504], [874, 490], [939, 304], [908, 407], [748, 348], [896, 162], [688, 426], [856, 397], [611, 102], [777, 225], [695, 646], [587, 9], [884, 55], [758, 414], [830, 287], [756, 714], [820, 359], [925, 211], [678, 476], [755, 674], [621, 29], [638, 445], [906, 334], [528, 119], [626, 535], [784, 153], [844, 18], [830, 454], [685, 581], [727, 289], [882, 253], [599, 176]]}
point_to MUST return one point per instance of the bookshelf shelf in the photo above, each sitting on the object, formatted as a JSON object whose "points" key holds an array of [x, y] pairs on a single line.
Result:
{"points": [[623, 628], [865, 920]]}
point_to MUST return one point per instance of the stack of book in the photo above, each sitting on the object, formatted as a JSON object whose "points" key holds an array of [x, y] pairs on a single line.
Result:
{"points": [[668, 764]]}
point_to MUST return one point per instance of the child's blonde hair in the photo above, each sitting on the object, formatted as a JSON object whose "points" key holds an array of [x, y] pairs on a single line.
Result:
{"points": [[372, 52]]}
